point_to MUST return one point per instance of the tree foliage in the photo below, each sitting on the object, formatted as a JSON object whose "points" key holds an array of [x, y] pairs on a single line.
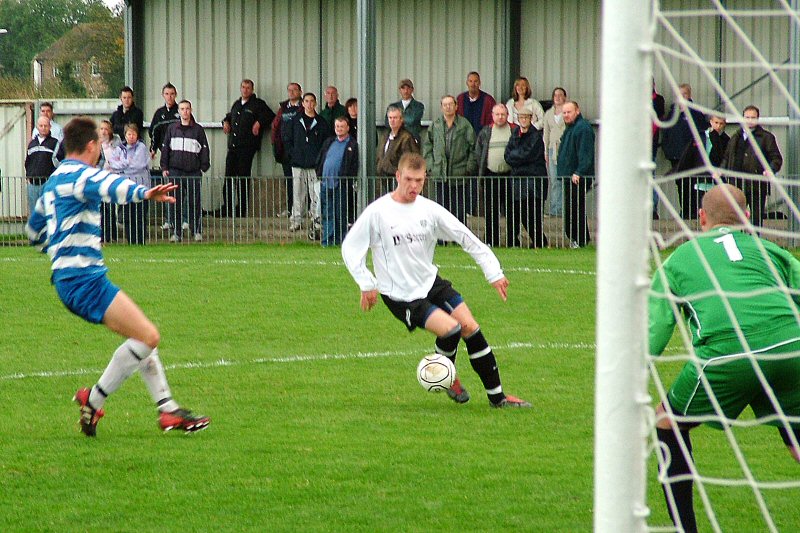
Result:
{"points": [[33, 25], [23, 89], [68, 80], [112, 66]]}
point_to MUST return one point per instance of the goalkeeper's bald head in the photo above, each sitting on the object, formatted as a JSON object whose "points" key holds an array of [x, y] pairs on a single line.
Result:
{"points": [[723, 205]]}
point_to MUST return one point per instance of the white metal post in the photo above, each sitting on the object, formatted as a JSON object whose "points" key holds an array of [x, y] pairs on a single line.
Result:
{"points": [[622, 274]]}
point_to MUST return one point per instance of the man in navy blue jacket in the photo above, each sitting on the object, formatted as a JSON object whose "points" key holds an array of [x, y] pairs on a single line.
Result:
{"points": [[675, 140], [302, 140]]}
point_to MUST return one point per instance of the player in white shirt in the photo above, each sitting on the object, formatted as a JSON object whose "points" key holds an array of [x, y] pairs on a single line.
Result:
{"points": [[402, 228]]}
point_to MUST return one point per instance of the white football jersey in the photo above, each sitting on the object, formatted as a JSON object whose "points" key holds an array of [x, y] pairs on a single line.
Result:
{"points": [[402, 238]]}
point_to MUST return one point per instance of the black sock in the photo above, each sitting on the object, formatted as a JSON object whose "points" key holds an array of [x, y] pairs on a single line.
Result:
{"points": [[447, 345], [485, 365], [681, 490]]}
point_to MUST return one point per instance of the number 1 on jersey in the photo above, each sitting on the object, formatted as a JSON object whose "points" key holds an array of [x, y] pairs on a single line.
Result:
{"points": [[729, 243]]}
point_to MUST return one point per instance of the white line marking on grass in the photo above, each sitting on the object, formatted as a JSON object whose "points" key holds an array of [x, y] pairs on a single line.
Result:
{"points": [[296, 359], [273, 262]]}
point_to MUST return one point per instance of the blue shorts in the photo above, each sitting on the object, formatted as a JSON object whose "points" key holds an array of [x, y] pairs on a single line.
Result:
{"points": [[87, 296]]}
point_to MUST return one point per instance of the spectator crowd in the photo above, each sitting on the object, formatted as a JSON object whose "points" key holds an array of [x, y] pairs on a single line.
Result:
{"points": [[521, 152]]}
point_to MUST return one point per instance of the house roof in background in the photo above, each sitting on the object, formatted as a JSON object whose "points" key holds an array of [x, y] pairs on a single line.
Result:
{"points": [[77, 43]]}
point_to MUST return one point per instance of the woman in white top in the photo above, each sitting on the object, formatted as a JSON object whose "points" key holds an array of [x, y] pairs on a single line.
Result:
{"points": [[132, 160], [553, 129], [520, 99]]}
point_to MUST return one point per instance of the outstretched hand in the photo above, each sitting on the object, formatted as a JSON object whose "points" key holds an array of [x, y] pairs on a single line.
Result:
{"points": [[160, 193], [501, 285], [368, 299]]}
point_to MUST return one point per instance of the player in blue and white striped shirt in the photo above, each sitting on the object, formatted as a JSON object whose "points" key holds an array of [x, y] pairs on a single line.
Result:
{"points": [[66, 222]]}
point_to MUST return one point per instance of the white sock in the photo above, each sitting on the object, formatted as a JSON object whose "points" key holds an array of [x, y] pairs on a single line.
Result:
{"points": [[124, 363], [152, 372]]}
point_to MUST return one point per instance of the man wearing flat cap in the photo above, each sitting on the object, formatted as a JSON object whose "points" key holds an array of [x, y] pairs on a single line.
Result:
{"points": [[412, 109]]}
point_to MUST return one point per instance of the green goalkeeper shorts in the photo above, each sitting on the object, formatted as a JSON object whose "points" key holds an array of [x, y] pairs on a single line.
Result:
{"points": [[735, 384]]}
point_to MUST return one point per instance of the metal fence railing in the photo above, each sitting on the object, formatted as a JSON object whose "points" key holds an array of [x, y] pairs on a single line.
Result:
{"points": [[503, 212], [500, 211]]}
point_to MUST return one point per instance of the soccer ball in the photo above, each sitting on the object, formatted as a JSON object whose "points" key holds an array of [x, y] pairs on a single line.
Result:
{"points": [[436, 373]]}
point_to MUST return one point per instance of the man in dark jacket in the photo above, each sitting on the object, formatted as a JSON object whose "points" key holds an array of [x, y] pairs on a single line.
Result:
{"points": [[302, 139], [490, 149], [474, 104], [576, 165], [741, 156], [286, 112], [527, 192], [338, 158], [675, 139], [44, 154], [249, 117], [692, 189], [184, 157], [126, 113], [164, 116], [333, 108], [659, 108]]}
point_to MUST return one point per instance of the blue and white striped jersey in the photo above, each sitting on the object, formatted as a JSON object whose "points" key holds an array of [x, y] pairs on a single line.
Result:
{"points": [[66, 220]]}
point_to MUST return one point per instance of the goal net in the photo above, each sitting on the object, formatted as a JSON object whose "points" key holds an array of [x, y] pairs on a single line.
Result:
{"points": [[714, 62], [711, 61]]}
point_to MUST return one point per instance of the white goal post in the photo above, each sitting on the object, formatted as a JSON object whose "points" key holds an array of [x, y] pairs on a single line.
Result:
{"points": [[737, 54], [622, 273]]}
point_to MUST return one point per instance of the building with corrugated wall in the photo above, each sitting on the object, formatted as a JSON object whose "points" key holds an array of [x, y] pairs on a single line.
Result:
{"points": [[206, 47], [312, 42]]}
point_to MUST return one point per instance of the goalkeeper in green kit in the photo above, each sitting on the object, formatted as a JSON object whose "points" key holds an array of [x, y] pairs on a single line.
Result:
{"points": [[751, 320]]}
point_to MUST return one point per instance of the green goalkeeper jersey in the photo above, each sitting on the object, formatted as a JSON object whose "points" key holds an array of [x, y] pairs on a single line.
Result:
{"points": [[752, 281]]}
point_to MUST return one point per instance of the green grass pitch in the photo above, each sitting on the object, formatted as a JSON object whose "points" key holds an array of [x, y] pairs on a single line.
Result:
{"points": [[318, 423]]}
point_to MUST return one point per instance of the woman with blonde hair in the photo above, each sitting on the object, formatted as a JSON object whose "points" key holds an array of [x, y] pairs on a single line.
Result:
{"points": [[521, 99]]}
